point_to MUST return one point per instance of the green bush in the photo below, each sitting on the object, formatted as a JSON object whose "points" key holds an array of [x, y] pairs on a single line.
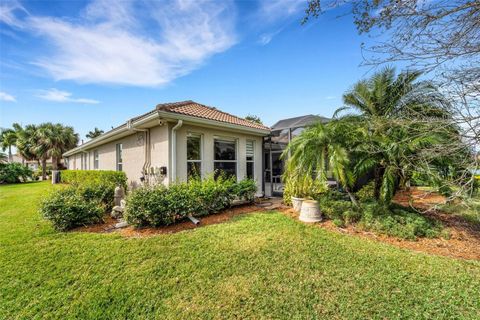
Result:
{"points": [[366, 193], [38, 172], [14, 173], [302, 187], [66, 208], [97, 176], [159, 205], [399, 222], [101, 192]]}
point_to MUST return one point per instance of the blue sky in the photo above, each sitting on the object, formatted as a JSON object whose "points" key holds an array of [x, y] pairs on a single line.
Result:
{"points": [[97, 63]]}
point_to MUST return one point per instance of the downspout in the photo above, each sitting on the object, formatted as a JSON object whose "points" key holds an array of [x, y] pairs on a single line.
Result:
{"points": [[146, 163], [173, 175]]}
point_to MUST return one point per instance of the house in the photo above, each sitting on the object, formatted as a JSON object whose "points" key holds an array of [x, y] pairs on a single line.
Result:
{"points": [[175, 141]]}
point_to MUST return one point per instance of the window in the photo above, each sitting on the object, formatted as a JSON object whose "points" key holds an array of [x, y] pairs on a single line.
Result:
{"points": [[250, 158], [225, 157], [95, 159], [119, 148], [194, 155]]}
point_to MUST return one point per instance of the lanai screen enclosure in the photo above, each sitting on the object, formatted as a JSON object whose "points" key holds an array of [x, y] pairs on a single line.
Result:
{"points": [[282, 133]]}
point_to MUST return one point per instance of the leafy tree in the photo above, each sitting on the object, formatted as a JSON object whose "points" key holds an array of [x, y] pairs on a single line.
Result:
{"points": [[8, 138], [27, 139], [95, 133], [254, 118]]}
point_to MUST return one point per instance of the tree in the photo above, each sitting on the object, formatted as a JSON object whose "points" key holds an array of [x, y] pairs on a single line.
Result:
{"points": [[385, 103], [254, 118], [27, 139], [95, 133], [8, 138], [441, 39], [317, 148], [53, 141]]}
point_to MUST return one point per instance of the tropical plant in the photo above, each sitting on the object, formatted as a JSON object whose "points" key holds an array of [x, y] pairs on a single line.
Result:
{"points": [[394, 126], [94, 133], [254, 118], [53, 141], [318, 150], [27, 140], [8, 138]]}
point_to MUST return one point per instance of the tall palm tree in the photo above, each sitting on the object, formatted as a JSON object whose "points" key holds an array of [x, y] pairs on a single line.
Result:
{"points": [[8, 138], [318, 149], [53, 141], [381, 100], [27, 139]]}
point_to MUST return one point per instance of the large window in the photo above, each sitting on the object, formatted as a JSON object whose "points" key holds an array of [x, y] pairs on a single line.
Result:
{"points": [[194, 155], [250, 158], [95, 159], [225, 157], [119, 148]]}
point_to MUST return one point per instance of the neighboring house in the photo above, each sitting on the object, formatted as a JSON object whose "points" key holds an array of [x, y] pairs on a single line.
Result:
{"points": [[175, 141]]}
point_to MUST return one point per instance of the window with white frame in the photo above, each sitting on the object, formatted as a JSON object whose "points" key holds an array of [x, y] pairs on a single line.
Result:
{"points": [[225, 157], [194, 155], [95, 159], [119, 148], [250, 152]]}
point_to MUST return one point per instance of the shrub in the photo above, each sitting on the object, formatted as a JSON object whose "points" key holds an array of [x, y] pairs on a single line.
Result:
{"points": [[366, 193], [101, 192], [66, 208], [14, 173], [159, 205], [38, 173], [97, 176]]}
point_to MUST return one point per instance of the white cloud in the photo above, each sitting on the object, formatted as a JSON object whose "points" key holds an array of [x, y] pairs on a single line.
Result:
{"points": [[9, 11], [265, 38], [278, 9], [330, 97], [63, 96], [7, 97], [134, 43]]}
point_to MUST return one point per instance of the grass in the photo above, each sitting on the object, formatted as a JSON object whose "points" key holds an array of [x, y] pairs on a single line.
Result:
{"points": [[262, 265]]}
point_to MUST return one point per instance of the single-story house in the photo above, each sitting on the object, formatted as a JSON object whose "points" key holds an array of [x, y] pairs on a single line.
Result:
{"points": [[175, 141]]}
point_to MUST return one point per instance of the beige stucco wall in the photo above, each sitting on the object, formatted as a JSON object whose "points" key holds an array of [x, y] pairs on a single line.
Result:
{"points": [[208, 136], [160, 141], [133, 154]]}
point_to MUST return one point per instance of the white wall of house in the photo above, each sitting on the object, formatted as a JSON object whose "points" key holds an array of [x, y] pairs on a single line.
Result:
{"points": [[160, 144]]}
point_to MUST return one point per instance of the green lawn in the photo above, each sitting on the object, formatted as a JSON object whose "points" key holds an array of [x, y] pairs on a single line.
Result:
{"points": [[262, 265]]}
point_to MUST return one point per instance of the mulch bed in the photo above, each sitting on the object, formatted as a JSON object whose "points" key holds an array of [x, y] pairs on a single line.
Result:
{"points": [[464, 242]]}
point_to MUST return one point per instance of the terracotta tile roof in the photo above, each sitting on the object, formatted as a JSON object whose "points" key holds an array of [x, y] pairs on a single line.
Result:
{"points": [[194, 109]]}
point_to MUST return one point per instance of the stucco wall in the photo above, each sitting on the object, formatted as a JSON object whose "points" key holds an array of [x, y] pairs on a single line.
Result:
{"points": [[133, 154], [160, 142], [208, 136]]}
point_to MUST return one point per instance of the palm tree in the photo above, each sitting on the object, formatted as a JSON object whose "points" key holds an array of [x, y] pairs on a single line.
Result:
{"points": [[95, 133], [318, 149], [8, 138], [381, 100], [27, 139], [53, 141]]}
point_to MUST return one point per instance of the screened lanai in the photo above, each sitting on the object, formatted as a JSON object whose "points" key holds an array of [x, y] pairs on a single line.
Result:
{"points": [[282, 133]]}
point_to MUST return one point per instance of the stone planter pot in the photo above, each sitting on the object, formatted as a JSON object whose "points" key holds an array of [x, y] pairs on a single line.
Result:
{"points": [[310, 211], [297, 203]]}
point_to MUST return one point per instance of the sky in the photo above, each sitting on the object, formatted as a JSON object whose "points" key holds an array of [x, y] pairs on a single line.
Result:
{"points": [[98, 63]]}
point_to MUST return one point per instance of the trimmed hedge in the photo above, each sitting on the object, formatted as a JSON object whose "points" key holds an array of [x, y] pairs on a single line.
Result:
{"points": [[96, 176], [156, 206]]}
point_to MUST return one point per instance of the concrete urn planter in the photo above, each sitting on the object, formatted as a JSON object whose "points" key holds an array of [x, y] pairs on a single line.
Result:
{"points": [[310, 211], [297, 203]]}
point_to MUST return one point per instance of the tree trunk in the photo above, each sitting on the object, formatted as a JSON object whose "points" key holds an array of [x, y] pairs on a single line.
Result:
{"points": [[10, 157], [378, 177], [44, 169], [54, 163]]}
